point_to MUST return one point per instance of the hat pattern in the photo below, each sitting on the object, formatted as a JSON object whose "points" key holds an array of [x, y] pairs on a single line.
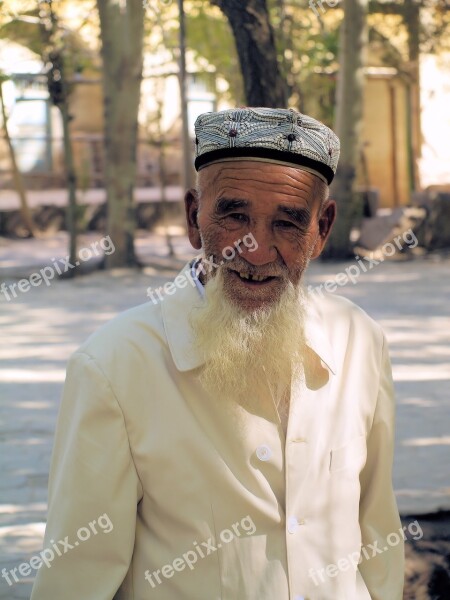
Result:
{"points": [[279, 134]]}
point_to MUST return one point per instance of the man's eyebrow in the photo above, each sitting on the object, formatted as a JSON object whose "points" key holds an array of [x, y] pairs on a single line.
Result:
{"points": [[300, 215], [224, 205]]}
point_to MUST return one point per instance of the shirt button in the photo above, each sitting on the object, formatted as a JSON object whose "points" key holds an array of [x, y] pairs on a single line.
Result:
{"points": [[263, 452], [292, 524]]}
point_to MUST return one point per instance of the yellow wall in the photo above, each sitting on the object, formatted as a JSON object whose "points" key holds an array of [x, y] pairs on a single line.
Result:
{"points": [[378, 139]]}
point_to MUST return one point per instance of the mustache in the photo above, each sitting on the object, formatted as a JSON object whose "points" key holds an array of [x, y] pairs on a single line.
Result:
{"points": [[272, 270]]}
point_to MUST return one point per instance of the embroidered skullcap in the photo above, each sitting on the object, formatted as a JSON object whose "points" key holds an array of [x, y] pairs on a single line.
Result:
{"points": [[277, 135]]}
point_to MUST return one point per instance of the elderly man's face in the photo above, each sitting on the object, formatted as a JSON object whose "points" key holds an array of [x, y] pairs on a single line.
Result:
{"points": [[280, 206]]}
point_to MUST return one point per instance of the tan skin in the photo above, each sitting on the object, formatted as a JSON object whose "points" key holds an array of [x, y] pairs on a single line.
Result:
{"points": [[278, 205]]}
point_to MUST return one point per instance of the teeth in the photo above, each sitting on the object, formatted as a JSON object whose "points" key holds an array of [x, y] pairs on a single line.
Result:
{"points": [[252, 277]]}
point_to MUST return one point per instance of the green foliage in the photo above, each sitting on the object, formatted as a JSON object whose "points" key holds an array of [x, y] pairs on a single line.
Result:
{"points": [[24, 29], [209, 40], [307, 44], [307, 50], [435, 30], [210, 37], [35, 30]]}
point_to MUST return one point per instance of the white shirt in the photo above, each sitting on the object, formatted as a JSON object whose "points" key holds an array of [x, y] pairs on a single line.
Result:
{"points": [[140, 440]]}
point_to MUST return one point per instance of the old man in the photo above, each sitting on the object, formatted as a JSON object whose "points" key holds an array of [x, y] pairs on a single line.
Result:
{"points": [[236, 437]]}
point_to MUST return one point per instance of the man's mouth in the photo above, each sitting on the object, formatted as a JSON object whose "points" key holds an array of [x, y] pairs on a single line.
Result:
{"points": [[252, 279]]}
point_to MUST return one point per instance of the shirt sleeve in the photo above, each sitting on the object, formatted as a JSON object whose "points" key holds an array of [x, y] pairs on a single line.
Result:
{"points": [[93, 492], [382, 556]]}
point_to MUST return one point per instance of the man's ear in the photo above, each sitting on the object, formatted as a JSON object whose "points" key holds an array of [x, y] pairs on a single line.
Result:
{"points": [[326, 220], [191, 204]]}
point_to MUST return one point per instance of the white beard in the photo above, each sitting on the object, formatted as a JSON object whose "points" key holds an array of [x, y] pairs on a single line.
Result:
{"points": [[250, 354]]}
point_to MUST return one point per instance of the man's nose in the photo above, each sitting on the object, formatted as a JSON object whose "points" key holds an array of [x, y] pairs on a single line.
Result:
{"points": [[264, 251]]}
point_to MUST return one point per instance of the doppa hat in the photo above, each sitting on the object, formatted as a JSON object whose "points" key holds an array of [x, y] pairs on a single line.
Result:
{"points": [[277, 135]]}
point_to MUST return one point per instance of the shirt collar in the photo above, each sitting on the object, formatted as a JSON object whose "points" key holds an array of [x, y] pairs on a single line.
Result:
{"points": [[180, 336], [199, 285]]}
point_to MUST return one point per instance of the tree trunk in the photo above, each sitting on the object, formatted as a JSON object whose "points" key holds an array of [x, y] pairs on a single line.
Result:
{"points": [[17, 176], [159, 97], [255, 43], [411, 15], [188, 164], [55, 54], [71, 177], [349, 116], [122, 32], [59, 91]]}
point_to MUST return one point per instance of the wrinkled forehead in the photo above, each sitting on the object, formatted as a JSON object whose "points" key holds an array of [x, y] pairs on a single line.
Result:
{"points": [[261, 183]]}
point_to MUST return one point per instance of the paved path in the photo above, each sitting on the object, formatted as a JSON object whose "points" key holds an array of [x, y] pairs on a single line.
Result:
{"points": [[41, 328], [9, 199]]}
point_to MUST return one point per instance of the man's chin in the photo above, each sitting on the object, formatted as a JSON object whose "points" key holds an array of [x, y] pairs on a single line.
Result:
{"points": [[246, 305]]}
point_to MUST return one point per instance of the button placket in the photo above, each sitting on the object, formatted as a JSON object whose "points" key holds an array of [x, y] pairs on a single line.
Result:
{"points": [[296, 450]]}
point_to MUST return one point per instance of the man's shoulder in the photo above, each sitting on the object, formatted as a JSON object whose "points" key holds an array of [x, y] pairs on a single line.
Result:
{"points": [[135, 331], [339, 313]]}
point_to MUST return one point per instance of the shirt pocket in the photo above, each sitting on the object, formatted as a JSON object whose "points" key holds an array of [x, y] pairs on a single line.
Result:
{"points": [[349, 457]]}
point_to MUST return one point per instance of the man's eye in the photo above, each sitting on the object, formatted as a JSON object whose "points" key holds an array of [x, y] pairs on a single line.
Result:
{"points": [[285, 224], [240, 217]]}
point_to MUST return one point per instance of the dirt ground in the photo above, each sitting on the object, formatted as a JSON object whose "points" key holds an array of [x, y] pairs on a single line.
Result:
{"points": [[427, 573]]}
